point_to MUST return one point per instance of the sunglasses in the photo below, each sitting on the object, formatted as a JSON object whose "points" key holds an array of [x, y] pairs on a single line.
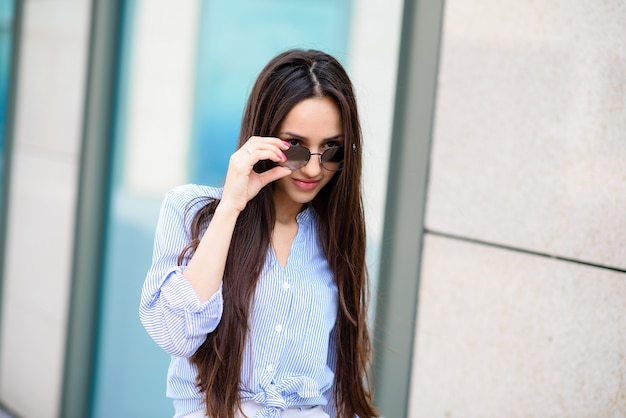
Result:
{"points": [[299, 156]]}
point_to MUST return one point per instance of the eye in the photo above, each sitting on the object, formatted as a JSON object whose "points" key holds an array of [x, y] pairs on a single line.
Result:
{"points": [[293, 141], [332, 144]]}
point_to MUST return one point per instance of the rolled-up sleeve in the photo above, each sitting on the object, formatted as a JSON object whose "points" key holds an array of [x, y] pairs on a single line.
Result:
{"points": [[170, 310]]}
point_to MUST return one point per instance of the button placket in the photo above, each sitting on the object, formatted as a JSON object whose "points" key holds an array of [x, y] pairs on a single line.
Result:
{"points": [[277, 342]]}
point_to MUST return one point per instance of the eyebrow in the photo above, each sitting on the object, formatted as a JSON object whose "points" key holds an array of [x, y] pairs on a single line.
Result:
{"points": [[296, 136]]}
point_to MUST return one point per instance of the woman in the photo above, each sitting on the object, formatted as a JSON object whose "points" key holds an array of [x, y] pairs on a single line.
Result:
{"points": [[259, 290]]}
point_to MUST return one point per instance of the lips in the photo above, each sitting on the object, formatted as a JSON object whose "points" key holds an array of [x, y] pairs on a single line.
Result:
{"points": [[305, 184]]}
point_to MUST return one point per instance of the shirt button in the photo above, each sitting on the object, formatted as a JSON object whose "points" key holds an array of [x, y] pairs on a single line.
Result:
{"points": [[286, 285], [269, 367], [278, 328]]}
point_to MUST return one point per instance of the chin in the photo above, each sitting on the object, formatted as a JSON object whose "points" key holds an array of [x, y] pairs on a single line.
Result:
{"points": [[303, 198]]}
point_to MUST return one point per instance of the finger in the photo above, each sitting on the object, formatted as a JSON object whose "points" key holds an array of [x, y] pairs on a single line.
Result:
{"points": [[265, 142], [274, 174], [263, 153]]}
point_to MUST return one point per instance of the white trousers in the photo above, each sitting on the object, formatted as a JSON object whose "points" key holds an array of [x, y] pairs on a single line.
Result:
{"points": [[250, 408]]}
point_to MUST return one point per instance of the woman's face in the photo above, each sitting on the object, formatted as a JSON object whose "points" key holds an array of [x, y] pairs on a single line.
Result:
{"points": [[314, 123]]}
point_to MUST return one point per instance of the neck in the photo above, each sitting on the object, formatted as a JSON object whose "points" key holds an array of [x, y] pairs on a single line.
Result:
{"points": [[286, 212], [287, 215]]}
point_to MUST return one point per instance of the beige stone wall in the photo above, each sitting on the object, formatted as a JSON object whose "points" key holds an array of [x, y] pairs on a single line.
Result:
{"points": [[39, 241], [522, 305], [508, 334]]}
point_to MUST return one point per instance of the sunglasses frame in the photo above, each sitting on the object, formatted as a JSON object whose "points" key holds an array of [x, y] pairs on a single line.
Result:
{"points": [[294, 164]]}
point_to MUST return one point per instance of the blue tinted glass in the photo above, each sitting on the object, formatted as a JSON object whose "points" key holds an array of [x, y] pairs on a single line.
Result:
{"points": [[7, 10]]}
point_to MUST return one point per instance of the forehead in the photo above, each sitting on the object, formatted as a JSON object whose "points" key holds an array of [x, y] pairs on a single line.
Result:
{"points": [[315, 118]]}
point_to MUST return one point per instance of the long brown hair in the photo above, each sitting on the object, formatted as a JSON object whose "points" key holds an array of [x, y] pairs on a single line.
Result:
{"points": [[286, 80]]}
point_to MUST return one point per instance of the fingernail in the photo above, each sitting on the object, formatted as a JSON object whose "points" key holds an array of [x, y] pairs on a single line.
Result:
{"points": [[286, 143]]}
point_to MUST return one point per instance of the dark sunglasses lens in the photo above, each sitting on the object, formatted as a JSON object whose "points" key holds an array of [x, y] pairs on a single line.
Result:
{"points": [[333, 158], [297, 157]]}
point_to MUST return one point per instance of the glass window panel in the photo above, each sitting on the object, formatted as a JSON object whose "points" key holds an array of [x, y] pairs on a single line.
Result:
{"points": [[7, 11]]}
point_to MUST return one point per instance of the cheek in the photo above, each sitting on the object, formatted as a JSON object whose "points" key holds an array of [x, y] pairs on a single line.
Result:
{"points": [[283, 181]]}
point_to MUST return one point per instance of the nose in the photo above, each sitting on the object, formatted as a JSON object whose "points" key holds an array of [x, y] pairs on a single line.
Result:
{"points": [[313, 167]]}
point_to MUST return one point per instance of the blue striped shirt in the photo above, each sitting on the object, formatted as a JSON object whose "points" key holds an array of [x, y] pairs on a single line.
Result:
{"points": [[291, 351]]}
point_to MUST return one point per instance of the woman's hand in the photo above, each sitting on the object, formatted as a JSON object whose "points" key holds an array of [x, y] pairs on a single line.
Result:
{"points": [[242, 182]]}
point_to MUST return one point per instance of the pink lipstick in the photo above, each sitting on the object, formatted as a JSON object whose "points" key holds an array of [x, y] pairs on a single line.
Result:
{"points": [[305, 184]]}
